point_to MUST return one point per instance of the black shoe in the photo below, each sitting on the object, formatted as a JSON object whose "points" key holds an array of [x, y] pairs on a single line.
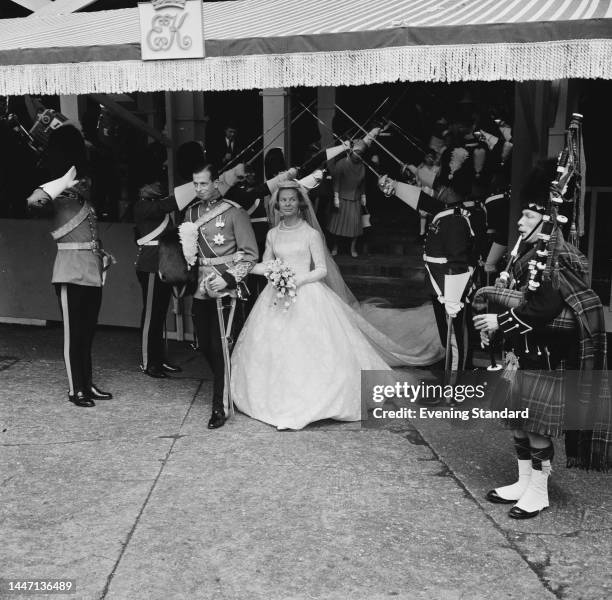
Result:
{"points": [[217, 419], [155, 372], [170, 368], [81, 399], [98, 394], [518, 513], [493, 496]]}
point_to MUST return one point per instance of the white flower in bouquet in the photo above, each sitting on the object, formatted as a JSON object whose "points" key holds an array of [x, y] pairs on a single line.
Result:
{"points": [[282, 279]]}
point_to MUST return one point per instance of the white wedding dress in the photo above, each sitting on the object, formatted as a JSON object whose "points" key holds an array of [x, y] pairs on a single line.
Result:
{"points": [[294, 366]]}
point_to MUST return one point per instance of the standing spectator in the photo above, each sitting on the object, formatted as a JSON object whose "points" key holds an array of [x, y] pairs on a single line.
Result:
{"points": [[349, 197], [222, 151]]}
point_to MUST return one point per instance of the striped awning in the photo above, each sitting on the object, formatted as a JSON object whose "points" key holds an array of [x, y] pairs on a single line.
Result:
{"points": [[284, 43]]}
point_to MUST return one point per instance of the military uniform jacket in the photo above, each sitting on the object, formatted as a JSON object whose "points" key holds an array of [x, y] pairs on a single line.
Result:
{"points": [[478, 222], [254, 202], [448, 246], [497, 207], [74, 222], [228, 232], [149, 213]]}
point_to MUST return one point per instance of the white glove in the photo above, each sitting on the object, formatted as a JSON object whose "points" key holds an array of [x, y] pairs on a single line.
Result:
{"points": [[313, 180], [452, 307], [57, 186], [386, 185], [336, 201], [371, 135], [232, 176], [288, 174], [487, 323], [484, 339]]}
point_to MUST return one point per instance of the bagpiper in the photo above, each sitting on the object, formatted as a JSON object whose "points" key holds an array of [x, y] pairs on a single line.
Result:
{"points": [[551, 322]]}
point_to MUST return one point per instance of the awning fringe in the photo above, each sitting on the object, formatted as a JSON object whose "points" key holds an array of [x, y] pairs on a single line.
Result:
{"points": [[584, 59]]}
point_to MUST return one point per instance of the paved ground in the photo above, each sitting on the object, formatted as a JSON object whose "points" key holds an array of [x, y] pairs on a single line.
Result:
{"points": [[136, 499]]}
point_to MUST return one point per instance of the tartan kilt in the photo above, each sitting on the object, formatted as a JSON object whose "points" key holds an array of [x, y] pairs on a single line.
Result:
{"points": [[544, 394]]}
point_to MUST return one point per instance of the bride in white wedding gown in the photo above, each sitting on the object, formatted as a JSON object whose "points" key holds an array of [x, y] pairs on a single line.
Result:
{"points": [[294, 366]]}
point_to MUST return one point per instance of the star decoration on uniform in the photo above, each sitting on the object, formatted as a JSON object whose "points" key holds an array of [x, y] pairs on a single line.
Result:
{"points": [[219, 239]]}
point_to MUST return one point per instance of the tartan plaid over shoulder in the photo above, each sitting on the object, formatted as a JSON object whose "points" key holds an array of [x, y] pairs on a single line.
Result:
{"points": [[571, 276]]}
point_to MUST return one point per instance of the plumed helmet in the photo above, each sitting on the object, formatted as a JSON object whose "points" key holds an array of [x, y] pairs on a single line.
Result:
{"points": [[455, 171], [274, 162], [150, 165], [66, 148]]}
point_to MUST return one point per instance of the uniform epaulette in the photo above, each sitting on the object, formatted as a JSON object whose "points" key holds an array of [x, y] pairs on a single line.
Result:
{"points": [[232, 203]]}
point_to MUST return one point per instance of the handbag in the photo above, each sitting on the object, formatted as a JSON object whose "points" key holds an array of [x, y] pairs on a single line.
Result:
{"points": [[365, 217]]}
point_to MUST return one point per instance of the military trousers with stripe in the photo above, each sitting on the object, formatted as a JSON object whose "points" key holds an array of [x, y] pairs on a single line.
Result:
{"points": [[80, 306], [205, 317], [155, 301], [462, 354]]}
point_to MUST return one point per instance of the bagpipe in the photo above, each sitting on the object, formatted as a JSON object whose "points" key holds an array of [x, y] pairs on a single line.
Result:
{"points": [[566, 188]]}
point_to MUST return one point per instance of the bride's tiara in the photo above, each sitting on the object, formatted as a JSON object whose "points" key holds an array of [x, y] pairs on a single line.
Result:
{"points": [[290, 184]]}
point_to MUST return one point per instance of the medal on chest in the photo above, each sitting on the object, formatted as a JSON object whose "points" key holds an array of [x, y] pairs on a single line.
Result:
{"points": [[218, 239]]}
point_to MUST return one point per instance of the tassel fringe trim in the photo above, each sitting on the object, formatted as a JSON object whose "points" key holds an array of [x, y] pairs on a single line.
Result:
{"points": [[586, 59], [188, 234]]}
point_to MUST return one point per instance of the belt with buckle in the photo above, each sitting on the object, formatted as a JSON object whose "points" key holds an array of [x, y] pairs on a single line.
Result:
{"points": [[78, 246], [204, 261]]}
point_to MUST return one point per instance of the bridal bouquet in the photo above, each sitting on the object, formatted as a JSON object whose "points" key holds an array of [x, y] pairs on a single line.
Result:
{"points": [[282, 279]]}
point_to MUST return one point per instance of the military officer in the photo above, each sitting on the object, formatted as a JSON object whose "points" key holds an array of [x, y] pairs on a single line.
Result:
{"points": [[497, 206], [217, 234], [448, 252], [152, 217], [80, 264]]}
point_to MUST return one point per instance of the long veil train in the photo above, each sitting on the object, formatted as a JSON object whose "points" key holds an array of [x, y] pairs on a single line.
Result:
{"points": [[401, 336]]}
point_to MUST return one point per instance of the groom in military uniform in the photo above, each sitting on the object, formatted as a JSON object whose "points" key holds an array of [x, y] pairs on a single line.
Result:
{"points": [[225, 249]]}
